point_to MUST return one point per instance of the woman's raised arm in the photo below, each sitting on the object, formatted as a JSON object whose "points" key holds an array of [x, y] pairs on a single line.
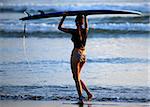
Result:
{"points": [[66, 30], [86, 22]]}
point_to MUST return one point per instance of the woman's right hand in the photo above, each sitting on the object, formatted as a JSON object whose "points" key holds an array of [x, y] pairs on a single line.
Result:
{"points": [[65, 14]]}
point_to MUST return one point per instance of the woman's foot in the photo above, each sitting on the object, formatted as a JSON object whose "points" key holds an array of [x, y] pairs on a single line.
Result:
{"points": [[90, 97], [80, 100]]}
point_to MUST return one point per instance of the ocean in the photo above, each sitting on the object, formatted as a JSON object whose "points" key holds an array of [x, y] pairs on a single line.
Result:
{"points": [[36, 65]]}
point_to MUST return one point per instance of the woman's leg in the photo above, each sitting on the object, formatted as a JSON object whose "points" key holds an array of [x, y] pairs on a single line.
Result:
{"points": [[84, 85], [76, 76]]}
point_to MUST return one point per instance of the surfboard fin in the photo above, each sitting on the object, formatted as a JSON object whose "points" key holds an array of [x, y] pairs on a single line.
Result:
{"points": [[41, 12], [27, 13]]}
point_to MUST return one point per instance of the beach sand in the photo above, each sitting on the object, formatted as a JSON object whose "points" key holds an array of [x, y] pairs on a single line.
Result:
{"points": [[10, 103]]}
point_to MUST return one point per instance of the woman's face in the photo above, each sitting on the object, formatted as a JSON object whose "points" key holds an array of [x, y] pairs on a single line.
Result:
{"points": [[80, 21]]}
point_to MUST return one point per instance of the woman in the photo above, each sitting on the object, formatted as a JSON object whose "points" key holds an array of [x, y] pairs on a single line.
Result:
{"points": [[78, 58]]}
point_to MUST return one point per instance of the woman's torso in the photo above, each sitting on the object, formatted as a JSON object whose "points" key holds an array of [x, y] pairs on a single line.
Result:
{"points": [[79, 42]]}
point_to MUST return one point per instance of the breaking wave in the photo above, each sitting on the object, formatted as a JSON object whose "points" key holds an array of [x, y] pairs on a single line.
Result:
{"points": [[68, 93]]}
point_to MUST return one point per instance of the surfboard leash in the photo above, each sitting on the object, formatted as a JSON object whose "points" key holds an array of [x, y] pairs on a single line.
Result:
{"points": [[24, 47]]}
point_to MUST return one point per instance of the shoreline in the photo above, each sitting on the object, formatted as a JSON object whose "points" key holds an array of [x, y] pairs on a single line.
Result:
{"points": [[29, 103]]}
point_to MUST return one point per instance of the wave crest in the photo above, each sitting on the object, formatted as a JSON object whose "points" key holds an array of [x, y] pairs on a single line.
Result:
{"points": [[66, 93]]}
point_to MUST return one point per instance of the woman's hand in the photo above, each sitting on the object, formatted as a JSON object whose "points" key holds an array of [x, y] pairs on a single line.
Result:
{"points": [[65, 14]]}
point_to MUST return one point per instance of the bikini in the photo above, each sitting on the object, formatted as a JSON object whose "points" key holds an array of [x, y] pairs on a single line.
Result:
{"points": [[79, 52]]}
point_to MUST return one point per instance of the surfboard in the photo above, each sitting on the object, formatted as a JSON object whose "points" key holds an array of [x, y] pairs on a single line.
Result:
{"points": [[73, 13]]}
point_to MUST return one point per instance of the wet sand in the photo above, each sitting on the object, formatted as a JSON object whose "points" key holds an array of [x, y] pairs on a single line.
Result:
{"points": [[10, 103]]}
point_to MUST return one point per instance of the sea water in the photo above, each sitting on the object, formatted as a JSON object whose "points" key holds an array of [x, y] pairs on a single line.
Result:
{"points": [[36, 65]]}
